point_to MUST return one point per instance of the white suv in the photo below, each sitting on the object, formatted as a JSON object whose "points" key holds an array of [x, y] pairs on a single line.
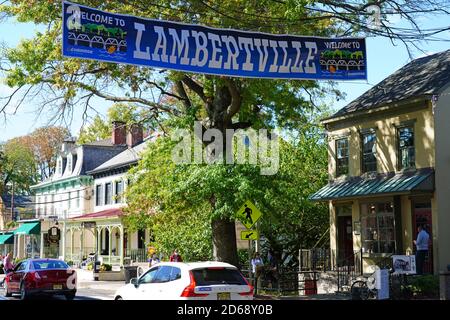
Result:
{"points": [[194, 281]]}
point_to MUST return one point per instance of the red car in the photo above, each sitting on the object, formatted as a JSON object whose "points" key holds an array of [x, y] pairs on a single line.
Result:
{"points": [[41, 276]]}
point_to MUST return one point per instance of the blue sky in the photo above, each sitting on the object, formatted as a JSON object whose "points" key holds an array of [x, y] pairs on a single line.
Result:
{"points": [[383, 59]]}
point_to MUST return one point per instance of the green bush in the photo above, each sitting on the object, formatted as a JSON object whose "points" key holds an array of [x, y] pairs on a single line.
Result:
{"points": [[426, 286], [244, 260], [90, 266], [105, 267]]}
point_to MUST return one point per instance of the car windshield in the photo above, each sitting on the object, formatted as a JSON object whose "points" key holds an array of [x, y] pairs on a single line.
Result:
{"points": [[210, 276], [49, 264]]}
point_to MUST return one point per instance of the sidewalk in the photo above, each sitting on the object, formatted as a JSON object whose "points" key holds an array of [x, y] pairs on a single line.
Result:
{"points": [[330, 296]]}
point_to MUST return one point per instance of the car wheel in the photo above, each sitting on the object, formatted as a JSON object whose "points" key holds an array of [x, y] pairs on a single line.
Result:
{"points": [[70, 296], [7, 293], [23, 292]]}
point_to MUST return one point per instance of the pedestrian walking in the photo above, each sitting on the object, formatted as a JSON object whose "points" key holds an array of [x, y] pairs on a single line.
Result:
{"points": [[257, 267], [175, 257], [8, 265], [421, 248], [273, 267], [153, 260]]}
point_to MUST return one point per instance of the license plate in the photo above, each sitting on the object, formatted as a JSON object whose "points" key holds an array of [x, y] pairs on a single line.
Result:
{"points": [[57, 287], [223, 296]]}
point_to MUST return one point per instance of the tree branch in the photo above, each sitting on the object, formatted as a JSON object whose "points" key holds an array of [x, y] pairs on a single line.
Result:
{"points": [[194, 86], [236, 99]]}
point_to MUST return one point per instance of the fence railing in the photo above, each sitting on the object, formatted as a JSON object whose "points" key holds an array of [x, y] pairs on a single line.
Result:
{"points": [[282, 282], [136, 255], [315, 259]]}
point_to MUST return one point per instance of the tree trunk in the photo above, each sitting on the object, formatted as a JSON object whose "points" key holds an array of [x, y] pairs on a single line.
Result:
{"points": [[224, 241]]}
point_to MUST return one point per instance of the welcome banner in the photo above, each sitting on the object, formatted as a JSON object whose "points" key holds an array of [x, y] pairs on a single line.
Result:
{"points": [[93, 34]]}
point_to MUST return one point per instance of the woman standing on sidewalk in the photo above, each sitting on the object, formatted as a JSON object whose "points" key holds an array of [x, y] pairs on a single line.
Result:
{"points": [[7, 265]]}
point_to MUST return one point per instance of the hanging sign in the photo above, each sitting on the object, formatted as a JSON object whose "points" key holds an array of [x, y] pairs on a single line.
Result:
{"points": [[93, 34], [53, 235]]}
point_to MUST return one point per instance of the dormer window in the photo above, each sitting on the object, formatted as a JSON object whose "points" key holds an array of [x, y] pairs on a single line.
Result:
{"points": [[69, 164], [59, 166]]}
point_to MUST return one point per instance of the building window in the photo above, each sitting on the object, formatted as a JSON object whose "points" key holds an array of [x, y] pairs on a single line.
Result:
{"points": [[78, 199], [98, 195], [59, 165], [141, 239], [119, 191], [69, 164], [369, 152], [341, 156], [378, 227], [406, 151], [70, 200], [108, 193]]}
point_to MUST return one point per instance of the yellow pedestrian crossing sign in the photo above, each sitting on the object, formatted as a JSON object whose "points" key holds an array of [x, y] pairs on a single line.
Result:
{"points": [[249, 235], [248, 214]]}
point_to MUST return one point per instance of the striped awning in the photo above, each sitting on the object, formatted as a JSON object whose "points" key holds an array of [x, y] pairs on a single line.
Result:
{"points": [[387, 184]]}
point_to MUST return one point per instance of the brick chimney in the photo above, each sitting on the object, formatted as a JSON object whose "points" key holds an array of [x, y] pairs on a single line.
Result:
{"points": [[119, 133], [135, 135]]}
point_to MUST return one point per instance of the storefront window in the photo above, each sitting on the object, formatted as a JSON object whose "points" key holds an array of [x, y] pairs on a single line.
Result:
{"points": [[378, 228]]}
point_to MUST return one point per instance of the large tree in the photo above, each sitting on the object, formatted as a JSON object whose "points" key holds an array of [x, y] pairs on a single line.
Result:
{"points": [[18, 167], [36, 66], [45, 142], [176, 208], [127, 113]]}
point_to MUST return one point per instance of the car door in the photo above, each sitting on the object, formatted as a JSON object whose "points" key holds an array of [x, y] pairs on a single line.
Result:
{"points": [[142, 291], [172, 289], [16, 277], [156, 289]]}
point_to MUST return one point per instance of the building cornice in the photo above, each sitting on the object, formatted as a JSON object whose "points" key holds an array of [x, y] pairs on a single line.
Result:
{"points": [[60, 181], [395, 107]]}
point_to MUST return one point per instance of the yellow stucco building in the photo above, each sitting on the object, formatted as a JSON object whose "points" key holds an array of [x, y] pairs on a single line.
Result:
{"points": [[389, 168]]}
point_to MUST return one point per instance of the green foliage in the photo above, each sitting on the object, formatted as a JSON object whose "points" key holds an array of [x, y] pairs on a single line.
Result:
{"points": [[425, 286], [90, 266], [101, 129], [97, 130], [105, 267], [244, 259], [183, 199], [69, 263], [17, 166], [11, 225]]}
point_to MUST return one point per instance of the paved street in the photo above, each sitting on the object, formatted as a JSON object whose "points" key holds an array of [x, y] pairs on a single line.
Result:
{"points": [[87, 289]]}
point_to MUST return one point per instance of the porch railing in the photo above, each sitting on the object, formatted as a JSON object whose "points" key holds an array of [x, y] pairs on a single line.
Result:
{"points": [[136, 255]]}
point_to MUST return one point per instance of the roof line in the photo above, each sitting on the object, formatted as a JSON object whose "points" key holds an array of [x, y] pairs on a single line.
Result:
{"points": [[379, 108], [124, 164]]}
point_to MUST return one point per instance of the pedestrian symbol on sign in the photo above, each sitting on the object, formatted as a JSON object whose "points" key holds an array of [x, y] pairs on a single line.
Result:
{"points": [[248, 214]]}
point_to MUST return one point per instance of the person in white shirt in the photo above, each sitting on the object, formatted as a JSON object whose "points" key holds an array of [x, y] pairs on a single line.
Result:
{"points": [[421, 248]]}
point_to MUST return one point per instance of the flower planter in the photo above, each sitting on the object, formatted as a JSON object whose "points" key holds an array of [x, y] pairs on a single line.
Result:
{"points": [[111, 276]]}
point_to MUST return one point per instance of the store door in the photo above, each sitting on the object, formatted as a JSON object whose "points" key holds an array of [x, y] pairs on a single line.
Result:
{"points": [[422, 216], [345, 241]]}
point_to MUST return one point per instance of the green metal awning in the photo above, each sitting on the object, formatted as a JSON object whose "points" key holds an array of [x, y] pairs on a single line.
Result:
{"points": [[29, 228], [387, 184], [7, 238]]}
